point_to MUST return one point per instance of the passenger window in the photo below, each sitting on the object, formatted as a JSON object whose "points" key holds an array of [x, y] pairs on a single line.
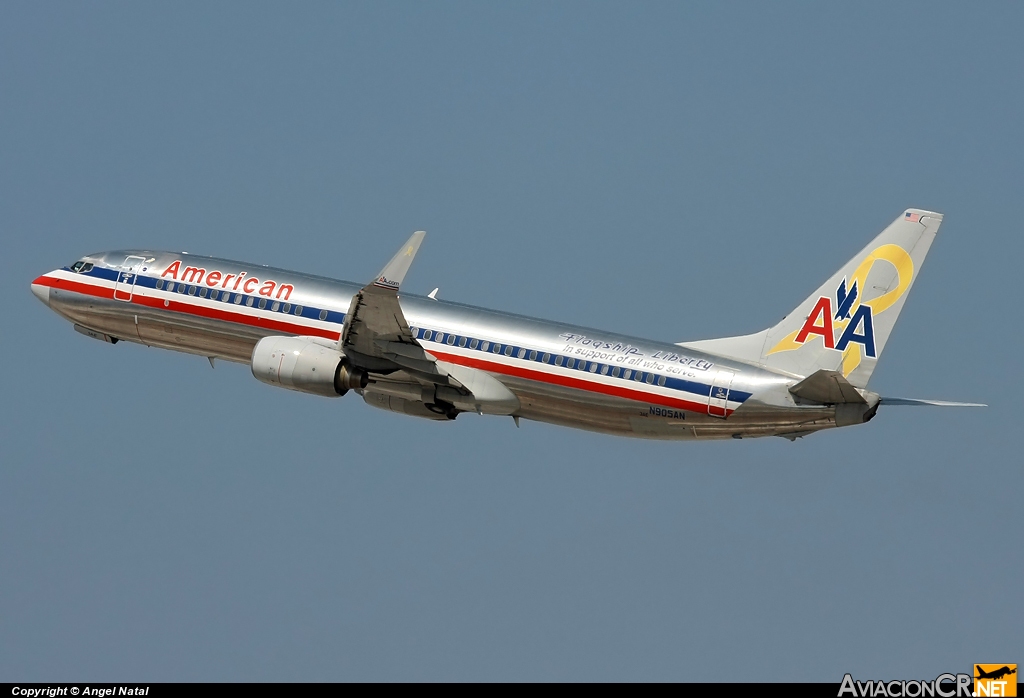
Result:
{"points": [[639, 376], [661, 381], [263, 303], [323, 314], [508, 350], [484, 346], [521, 353], [570, 362], [627, 373], [248, 301], [546, 358], [181, 288], [533, 356], [604, 369], [496, 349], [558, 361], [427, 335], [202, 292], [213, 294], [593, 367], [474, 344], [615, 372], [650, 378], [451, 340], [286, 308], [159, 284], [276, 306], [191, 290], [462, 341], [298, 310], [238, 298]]}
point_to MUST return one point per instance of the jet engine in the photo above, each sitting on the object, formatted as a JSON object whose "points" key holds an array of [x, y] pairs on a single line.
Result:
{"points": [[306, 365]]}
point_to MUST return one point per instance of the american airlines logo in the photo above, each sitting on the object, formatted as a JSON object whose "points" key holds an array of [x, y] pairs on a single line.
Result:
{"points": [[859, 328], [844, 317], [217, 279]]}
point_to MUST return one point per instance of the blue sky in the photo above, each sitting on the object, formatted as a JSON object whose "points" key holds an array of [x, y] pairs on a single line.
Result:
{"points": [[665, 170]]}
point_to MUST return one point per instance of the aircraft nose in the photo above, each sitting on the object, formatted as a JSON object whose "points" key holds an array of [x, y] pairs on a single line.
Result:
{"points": [[41, 291]]}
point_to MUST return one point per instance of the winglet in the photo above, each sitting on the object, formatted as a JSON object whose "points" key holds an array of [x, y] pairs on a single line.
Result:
{"points": [[392, 275]]}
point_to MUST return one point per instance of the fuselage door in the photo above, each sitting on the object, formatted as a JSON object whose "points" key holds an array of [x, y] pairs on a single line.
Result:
{"points": [[718, 399], [125, 285]]}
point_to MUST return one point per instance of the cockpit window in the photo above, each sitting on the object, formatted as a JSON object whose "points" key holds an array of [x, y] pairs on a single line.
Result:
{"points": [[80, 267]]}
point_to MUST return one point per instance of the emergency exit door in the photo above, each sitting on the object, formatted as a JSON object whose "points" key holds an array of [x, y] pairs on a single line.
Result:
{"points": [[718, 398], [124, 287]]}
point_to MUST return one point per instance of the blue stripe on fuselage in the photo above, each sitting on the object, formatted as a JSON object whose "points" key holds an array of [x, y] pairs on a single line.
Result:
{"points": [[333, 316]]}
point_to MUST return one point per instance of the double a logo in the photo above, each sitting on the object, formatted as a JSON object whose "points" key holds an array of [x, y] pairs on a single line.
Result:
{"points": [[859, 325], [846, 319], [995, 680]]}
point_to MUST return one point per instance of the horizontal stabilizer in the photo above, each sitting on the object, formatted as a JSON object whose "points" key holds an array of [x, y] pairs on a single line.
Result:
{"points": [[931, 403], [828, 388]]}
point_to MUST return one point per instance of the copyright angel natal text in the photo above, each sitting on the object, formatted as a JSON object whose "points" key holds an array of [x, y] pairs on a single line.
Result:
{"points": [[53, 691]]}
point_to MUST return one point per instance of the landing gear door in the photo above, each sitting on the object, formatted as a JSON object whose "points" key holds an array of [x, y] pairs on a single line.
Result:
{"points": [[718, 399], [125, 285]]}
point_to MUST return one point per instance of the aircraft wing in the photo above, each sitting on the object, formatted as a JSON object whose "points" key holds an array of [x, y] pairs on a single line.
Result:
{"points": [[377, 338], [376, 335]]}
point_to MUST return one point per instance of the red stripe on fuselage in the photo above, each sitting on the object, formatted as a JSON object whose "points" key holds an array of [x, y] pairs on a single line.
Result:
{"points": [[189, 308], [494, 367], [570, 382]]}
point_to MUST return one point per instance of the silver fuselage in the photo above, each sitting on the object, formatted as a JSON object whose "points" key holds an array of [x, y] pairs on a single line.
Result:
{"points": [[562, 374]]}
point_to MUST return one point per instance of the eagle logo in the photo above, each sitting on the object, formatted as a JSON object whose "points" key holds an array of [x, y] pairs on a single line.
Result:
{"points": [[845, 299]]}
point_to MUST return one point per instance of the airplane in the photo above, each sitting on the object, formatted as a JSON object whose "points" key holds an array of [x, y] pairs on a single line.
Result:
{"points": [[435, 359], [996, 674]]}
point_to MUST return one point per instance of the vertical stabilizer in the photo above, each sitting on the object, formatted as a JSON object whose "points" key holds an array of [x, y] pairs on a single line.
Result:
{"points": [[844, 325]]}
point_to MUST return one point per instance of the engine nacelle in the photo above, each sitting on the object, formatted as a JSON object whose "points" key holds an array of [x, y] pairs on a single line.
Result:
{"points": [[300, 363]]}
